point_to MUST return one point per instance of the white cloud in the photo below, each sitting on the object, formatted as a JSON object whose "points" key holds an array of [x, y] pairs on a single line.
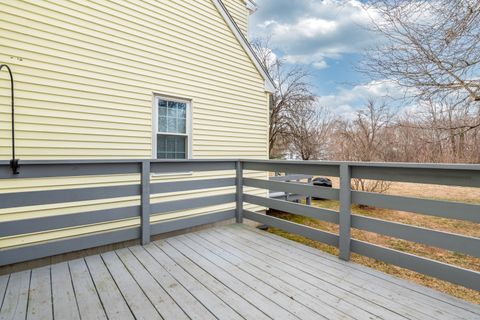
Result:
{"points": [[347, 100], [320, 65], [309, 31]]}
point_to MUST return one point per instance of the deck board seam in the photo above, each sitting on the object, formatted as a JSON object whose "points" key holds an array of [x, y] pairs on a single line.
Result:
{"points": [[313, 266], [218, 296], [299, 301], [51, 291], [295, 245], [5, 292], [159, 284], [73, 289], [113, 252], [179, 282], [213, 292], [173, 298], [175, 279], [350, 292], [393, 281], [28, 294], [206, 287], [293, 277], [316, 286], [100, 259], [138, 284], [143, 289], [241, 281], [95, 286]]}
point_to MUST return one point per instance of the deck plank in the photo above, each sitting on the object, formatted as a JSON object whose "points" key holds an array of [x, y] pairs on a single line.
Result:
{"points": [[340, 277], [162, 301], [248, 292], [86, 294], [40, 297], [320, 299], [300, 304], [112, 300], [63, 295], [348, 272], [3, 287], [342, 295], [231, 272], [232, 305], [16, 296], [194, 309], [138, 302]]}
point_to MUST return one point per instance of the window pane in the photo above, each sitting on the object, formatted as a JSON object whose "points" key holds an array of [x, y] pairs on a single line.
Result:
{"points": [[181, 126], [171, 125], [171, 144], [180, 144], [180, 155], [162, 124], [171, 147], [162, 103], [182, 110], [161, 146], [172, 109], [162, 111]]}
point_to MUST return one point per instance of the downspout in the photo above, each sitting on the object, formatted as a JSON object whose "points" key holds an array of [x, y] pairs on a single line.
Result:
{"points": [[14, 162]]}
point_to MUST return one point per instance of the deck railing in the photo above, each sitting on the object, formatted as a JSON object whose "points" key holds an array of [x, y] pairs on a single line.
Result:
{"points": [[451, 175]]}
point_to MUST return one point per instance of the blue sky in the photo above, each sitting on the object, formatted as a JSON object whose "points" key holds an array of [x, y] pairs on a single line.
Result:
{"points": [[328, 38]]}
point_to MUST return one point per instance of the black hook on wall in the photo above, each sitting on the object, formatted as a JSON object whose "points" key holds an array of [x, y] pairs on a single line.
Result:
{"points": [[14, 162]]}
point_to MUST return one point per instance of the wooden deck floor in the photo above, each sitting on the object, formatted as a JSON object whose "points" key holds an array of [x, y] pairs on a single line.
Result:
{"points": [[232, 272]]}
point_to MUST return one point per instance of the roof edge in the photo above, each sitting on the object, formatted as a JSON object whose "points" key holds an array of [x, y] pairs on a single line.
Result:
{"points": [[269, 84]]}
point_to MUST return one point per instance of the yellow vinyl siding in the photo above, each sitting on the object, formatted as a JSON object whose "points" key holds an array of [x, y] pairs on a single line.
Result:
{"points": [[85, 75], [238, 10]]}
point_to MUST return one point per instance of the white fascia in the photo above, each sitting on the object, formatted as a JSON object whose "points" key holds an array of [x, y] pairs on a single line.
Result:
{"points": [[269, 86]]}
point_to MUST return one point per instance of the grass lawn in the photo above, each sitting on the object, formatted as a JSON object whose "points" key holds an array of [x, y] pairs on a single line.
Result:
{"points": [[470, 195]]}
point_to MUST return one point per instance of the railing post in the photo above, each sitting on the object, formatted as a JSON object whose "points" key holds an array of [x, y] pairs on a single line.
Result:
{"points": [[345, 211], [239, 191], [308, 200], [145, 202]]}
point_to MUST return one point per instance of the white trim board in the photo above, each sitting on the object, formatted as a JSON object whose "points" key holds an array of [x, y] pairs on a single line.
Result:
{"points": [[269, 85]]}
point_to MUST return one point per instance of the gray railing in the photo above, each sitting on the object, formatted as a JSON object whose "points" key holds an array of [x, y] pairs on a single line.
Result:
{"points": [[452, 175], [143, 190]]}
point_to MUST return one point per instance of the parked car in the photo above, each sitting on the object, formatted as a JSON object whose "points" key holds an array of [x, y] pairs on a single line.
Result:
{"points": [[322, 182]]}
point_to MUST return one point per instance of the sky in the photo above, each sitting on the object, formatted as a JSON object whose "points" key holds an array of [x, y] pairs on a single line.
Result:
{"points": [[327, 37]]}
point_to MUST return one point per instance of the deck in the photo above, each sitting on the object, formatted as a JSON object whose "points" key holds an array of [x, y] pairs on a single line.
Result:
{"points": [[231, 272]]}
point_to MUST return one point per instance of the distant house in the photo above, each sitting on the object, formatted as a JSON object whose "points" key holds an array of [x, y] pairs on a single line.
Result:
{"points": [[167, 79]]}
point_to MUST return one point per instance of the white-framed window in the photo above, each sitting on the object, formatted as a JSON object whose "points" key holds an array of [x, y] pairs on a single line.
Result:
{"points": [[172, 132]]}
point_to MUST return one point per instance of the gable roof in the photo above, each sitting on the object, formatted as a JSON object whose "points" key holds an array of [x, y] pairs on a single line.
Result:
{"points": [[269, 84]]}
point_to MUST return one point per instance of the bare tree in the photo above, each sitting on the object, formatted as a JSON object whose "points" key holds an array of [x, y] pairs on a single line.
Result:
{"points": [[363, 135], [310, 132], [429, 47], [293, 92], [365, 139]]}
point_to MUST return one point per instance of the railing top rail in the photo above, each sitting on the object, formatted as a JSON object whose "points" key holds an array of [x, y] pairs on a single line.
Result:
{"points": [[459, 166], [112, 161], [475, 167]]}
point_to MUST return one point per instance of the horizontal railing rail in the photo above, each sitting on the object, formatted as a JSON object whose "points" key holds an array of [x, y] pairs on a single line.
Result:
{"points": [[441, 174], [144, 192], [148, 214]]}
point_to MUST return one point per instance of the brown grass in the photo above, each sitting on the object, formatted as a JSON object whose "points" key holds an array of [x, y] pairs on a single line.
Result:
{"points": [[470, 195]]}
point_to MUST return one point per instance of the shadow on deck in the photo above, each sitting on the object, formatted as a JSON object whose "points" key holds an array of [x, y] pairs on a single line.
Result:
{"points": [[231, 272]]}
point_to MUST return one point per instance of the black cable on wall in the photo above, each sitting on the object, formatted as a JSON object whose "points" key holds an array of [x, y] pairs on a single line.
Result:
{"points": [[14, 162]]}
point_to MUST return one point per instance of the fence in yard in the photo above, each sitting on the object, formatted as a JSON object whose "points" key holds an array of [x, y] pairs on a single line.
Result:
{"points": [[452, 175]]}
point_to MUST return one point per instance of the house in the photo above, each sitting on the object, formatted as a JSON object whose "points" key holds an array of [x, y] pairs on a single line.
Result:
{"points": [[168, 79], [111, 96]]}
